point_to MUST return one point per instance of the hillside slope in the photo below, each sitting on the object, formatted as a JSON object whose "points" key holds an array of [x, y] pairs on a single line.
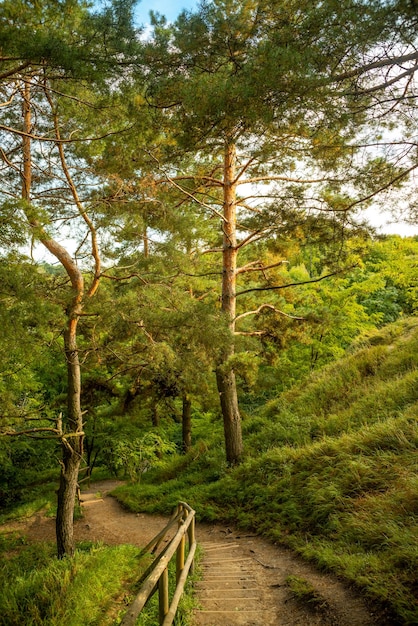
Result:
{"points": [[331, 470]]}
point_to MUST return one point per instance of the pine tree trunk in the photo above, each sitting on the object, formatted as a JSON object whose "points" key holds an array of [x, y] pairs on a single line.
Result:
{"points": [[72, 448], [232, 419], [186, 421], [145, 241], [67, 491], [225, 376]]}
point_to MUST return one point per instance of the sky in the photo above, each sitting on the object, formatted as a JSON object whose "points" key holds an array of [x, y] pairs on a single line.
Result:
{"points": [[170, 8]]}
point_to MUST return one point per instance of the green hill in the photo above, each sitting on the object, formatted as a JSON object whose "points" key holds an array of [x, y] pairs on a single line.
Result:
{"points": [[331, 470]]}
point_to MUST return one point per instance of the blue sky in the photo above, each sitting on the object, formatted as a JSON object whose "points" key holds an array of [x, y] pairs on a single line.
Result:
{"points": [[170, 8]]}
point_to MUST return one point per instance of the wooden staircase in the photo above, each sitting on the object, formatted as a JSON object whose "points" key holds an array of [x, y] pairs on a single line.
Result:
{"points": [[230, 593]]}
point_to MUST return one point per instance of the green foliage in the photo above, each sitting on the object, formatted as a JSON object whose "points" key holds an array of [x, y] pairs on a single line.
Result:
{"points": [[24, 490], [394, 260], [66, 36], [28, 311], [139, 455], [304, 591], [84, 589]]}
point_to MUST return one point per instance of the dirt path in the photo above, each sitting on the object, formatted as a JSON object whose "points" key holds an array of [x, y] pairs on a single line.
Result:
{"points": [[244, 577]]}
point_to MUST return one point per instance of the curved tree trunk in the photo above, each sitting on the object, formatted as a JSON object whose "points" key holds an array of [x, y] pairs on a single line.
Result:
{"points": [[72, 448], [72, 435], [225, 376]]}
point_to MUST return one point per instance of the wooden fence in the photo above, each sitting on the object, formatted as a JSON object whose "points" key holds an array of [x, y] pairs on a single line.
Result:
{"points": [[156, 576]]}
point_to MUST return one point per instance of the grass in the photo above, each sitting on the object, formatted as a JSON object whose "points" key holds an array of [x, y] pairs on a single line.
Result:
{"points": [[303, 591], [87, 589], [330, 470]]}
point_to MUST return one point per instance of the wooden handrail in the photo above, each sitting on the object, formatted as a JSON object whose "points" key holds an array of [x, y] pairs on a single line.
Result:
{"points": [[157, 574]]}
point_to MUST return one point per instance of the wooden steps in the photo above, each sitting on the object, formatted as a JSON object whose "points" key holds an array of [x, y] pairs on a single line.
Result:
{"points": [[230, 593]]}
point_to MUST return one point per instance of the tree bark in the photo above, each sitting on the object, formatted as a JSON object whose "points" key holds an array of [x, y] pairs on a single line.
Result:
{"points": [[145, 241], [225, 376], [186, 421], [72, 448]]}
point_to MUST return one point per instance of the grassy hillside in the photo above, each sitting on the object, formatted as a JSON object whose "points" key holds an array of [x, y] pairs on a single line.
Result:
{"points": [[331, 469]]}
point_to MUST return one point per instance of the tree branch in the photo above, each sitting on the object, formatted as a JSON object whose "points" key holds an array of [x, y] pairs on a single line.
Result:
{"points": [[21, 133], [14, 70], [287, 179], [388, 83], [383, 188], [261, 268], [211, 250], [303, 282], [250, 333], [187, 193], [254, 236], [93, 233], [7, 161], [127, 277], [29, 431], [272, 308], [243, 170], [376, 64], [208, 179]]}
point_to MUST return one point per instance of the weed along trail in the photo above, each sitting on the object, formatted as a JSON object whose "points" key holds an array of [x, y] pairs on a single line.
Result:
{"points": [[245, 580]]}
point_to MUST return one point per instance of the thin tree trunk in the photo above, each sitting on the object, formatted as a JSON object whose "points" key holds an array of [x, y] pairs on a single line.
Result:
{"points": [[145, 241], [225, 376], [72, 441], [155, 417], [72, 448], [186, 422]]}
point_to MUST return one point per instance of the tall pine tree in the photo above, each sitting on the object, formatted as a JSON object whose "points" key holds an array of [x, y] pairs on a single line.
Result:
{"points": [[243, 90]]}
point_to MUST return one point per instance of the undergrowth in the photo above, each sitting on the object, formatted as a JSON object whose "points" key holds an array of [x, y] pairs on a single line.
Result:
{"points": [[87, 589]]}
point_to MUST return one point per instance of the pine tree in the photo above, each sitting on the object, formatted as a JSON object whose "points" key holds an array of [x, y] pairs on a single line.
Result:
{"points": [[58, 62], [258, 131]]}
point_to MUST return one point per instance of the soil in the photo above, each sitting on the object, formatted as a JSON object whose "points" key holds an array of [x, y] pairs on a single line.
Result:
{"points": [[244, 576]]}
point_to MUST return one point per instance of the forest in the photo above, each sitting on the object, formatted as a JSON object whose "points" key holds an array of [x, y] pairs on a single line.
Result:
{"points": [[192, 298]]}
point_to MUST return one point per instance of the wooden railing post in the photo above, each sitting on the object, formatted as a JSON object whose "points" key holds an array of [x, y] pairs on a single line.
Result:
{"points": [[156, 577], [163, 595], [192, 539], [180, 559], [181, 547]]}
